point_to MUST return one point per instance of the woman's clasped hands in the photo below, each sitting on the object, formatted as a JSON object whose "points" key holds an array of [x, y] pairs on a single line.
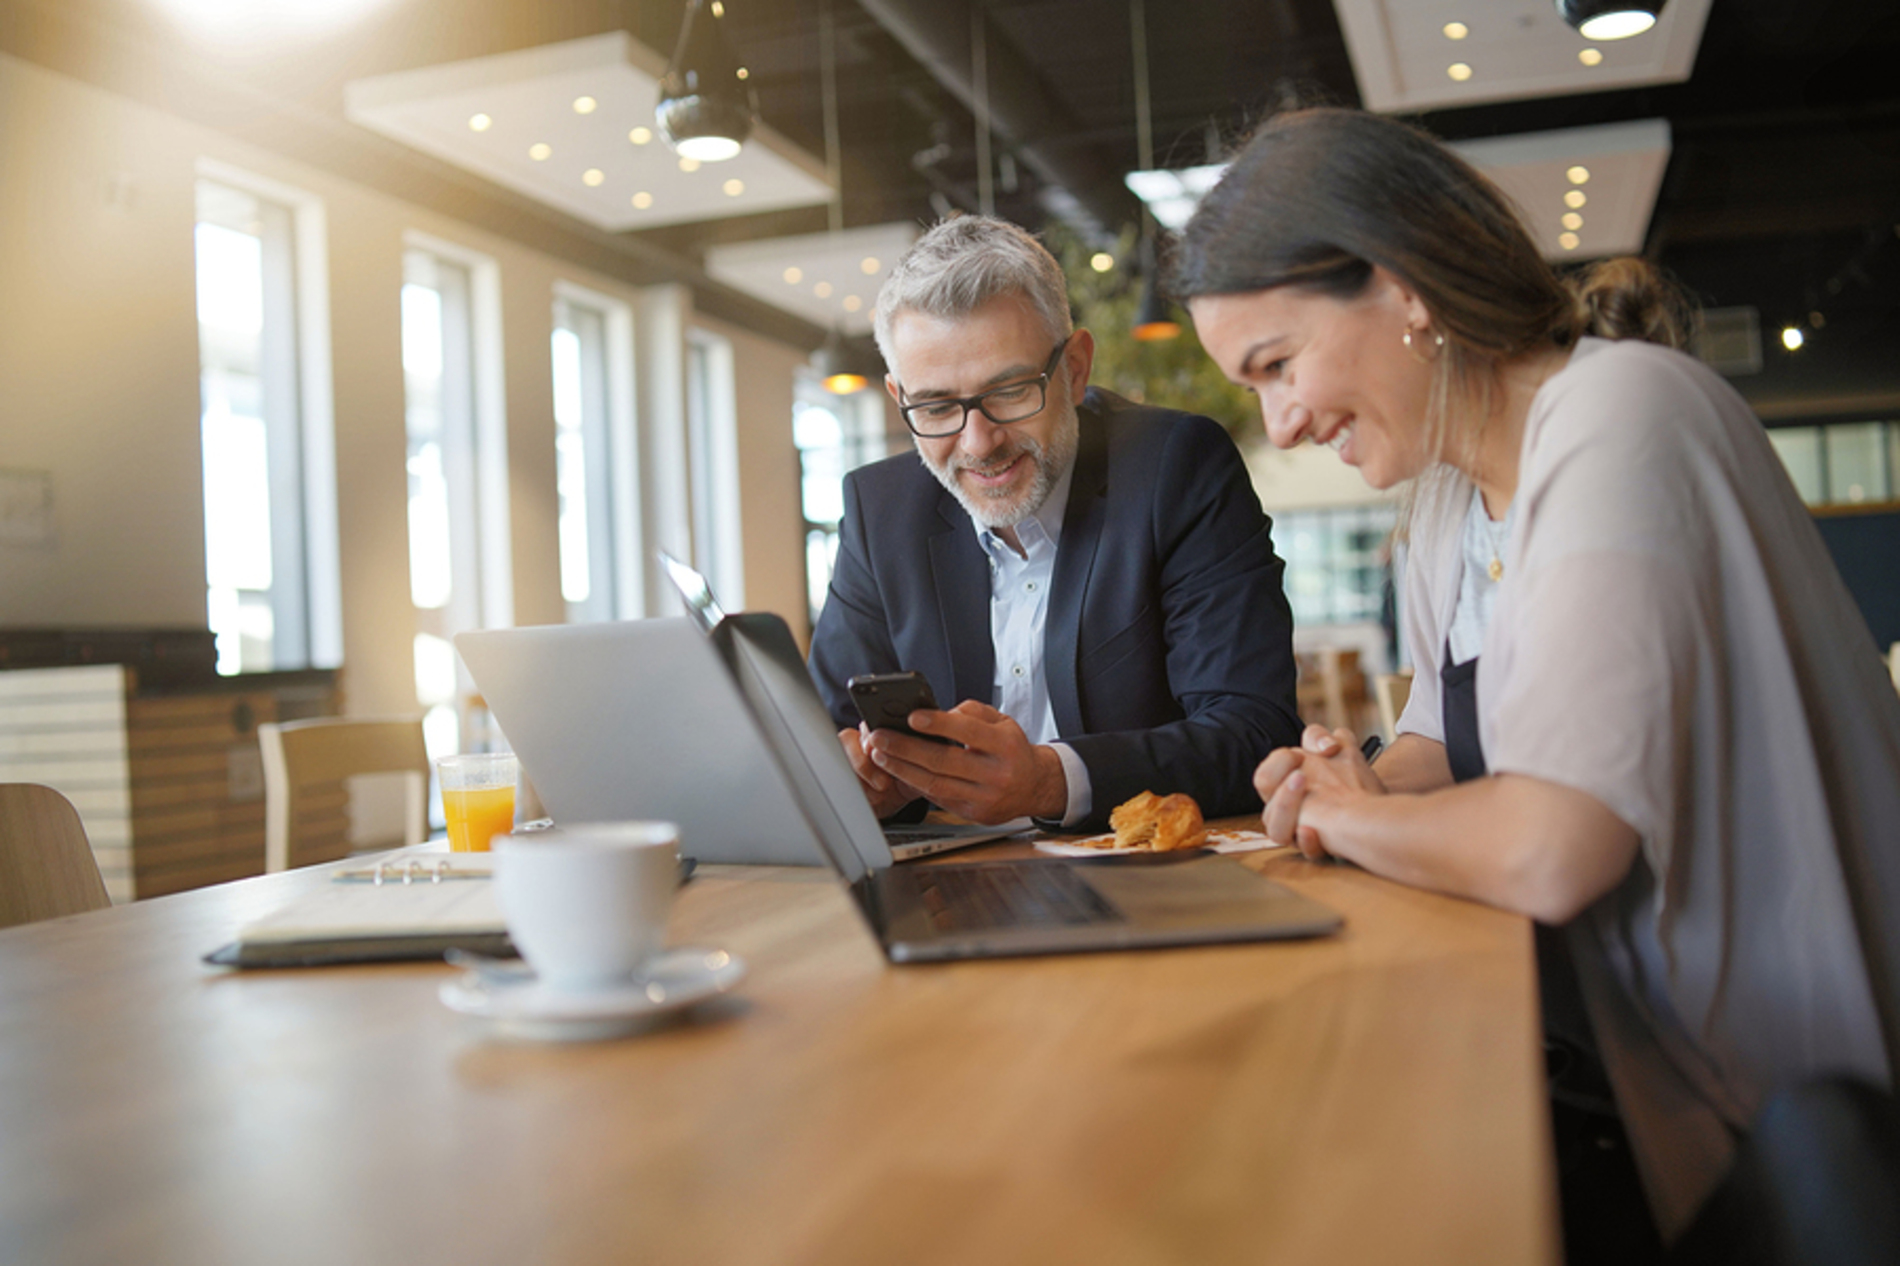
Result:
{"points": [[1306, 789]]}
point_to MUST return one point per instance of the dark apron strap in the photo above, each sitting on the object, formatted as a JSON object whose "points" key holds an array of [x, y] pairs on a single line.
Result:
{"points": [[1576, 1076], [1458, 690]]}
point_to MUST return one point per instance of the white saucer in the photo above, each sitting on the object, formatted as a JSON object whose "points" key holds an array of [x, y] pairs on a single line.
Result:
{"points": [[673, 982]]}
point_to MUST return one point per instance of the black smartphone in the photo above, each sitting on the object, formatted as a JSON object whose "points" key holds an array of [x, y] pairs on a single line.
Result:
{"points": [[886, 700]]}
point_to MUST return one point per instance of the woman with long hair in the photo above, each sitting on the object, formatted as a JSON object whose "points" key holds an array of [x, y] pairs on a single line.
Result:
{"points": [[1645, 709]]}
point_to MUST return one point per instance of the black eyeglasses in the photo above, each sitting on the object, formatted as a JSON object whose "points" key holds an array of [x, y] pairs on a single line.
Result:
{"points": [[1012, 402]]}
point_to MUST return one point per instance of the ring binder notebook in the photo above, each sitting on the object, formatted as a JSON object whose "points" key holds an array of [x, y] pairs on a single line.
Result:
{"points": [[400, 908]]}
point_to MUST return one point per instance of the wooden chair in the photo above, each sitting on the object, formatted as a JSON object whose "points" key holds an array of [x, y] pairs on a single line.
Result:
{"points": [[301, 757], [1332, 690], [46, 864], [1390, 691]]}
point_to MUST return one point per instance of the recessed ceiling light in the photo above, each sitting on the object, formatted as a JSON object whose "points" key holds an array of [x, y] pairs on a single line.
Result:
{"points": [[718, 9], [1456, 30], [822, 290], [852, 303], [1569, 241], [1458, 71], [479, 123], [1792, 338], [794, 275], [642, 200], [1590, 56], [1572, 220], [743, 73], [1101, 261], [689, 165], [1578, 175], [540, 151], [1575, 198], [593, 177], [585, 105], [734, 187], [1612, 21], [640, 135], [869, 265], [706, 149]]}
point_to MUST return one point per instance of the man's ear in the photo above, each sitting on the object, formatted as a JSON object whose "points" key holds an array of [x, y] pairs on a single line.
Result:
{"points": [[890, 389], [1079, 360]]}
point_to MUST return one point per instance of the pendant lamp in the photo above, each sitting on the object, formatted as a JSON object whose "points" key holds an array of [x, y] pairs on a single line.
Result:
{"points": [[706, 107], [841, 365], [1610, 19], [1154, 319]]}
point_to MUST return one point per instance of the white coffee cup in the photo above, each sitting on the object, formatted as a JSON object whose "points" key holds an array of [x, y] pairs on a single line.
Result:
{"points": [[586, 904]]}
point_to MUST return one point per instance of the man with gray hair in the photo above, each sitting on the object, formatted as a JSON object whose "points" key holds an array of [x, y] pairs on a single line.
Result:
{"points": [[1088, 584]]}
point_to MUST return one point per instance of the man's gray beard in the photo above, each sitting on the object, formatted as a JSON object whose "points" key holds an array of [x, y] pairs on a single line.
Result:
{"points": [[988, 509]]}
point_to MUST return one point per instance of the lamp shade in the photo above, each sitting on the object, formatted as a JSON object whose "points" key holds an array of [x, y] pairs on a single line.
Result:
{"points": [[1154, 319], [842, 366], [706, 109], [1610, 19]]}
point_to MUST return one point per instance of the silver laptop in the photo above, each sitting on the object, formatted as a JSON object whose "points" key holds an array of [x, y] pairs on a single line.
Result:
{"points": [[906, 842], [640, 719], [990, 909]]}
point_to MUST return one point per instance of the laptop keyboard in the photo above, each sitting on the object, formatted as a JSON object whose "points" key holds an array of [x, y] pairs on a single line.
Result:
{"points": [[970, 898]]}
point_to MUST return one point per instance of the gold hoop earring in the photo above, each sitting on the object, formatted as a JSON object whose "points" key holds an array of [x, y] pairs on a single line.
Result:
{"points": [[1438, 345]]}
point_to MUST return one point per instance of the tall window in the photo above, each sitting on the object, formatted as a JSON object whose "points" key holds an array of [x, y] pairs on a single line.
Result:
{"points": [[255, 568], [835, 435], [1843, 463], [445, 533], [593, 451], [1338, 562], [713, 466]]}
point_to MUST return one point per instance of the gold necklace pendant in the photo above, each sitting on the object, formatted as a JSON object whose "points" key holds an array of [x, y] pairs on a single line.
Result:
{"points": [[1496, 569]]}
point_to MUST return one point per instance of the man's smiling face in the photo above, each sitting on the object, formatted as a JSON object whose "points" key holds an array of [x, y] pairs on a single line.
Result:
{"points": [[1000, 474]]}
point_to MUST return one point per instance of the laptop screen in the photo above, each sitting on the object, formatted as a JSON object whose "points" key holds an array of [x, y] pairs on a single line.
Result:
{"points": [[799, 732], [694, 591], [777, 688]]}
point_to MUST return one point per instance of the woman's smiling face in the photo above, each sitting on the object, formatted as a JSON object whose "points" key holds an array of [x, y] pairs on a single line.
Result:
{"points": [[1334, 371]]}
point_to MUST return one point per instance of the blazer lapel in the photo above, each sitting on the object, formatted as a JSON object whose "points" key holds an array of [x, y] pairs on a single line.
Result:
{"points": [[1082, 525], [961, 575]]}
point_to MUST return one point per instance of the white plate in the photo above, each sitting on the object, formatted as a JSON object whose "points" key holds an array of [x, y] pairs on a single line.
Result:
{"points": [[673, 982], [1226, 841]]}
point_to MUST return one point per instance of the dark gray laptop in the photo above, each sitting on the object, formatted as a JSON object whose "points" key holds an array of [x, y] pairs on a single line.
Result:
{"points": [[988, 909], [906, 842]]}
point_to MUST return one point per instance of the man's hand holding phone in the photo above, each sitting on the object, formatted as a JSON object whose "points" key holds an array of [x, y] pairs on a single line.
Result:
{"points": [[885, 701], [972, 760]]}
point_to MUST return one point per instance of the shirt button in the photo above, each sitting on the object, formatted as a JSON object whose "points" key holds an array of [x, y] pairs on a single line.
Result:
{"points": [[1031, 586], [1020, 671]]}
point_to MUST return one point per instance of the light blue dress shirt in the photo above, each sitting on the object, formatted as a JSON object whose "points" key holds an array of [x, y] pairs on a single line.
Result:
{"points": [[1019, 612]]}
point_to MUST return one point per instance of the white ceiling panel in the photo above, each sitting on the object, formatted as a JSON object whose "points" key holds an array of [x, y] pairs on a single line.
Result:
{"points": [[1512, 49], [828, 278], [593, 165], [1621, 165]]}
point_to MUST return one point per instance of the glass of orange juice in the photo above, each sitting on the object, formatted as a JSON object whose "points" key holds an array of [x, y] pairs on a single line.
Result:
{"points": [[478, 798]]}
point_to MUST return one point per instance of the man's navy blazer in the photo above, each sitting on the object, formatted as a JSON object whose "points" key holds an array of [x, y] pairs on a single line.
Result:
{"points": [[1168, 643]]}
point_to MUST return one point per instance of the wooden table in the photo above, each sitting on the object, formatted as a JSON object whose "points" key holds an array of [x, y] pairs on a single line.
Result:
{"points": [[1376, 1096]]}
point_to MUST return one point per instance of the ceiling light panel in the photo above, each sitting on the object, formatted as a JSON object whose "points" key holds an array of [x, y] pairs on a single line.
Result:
{"points": [[529, 100], [1625, 162], [1621, 165], [1172, 195], [1515, 49], [830, 279]]}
